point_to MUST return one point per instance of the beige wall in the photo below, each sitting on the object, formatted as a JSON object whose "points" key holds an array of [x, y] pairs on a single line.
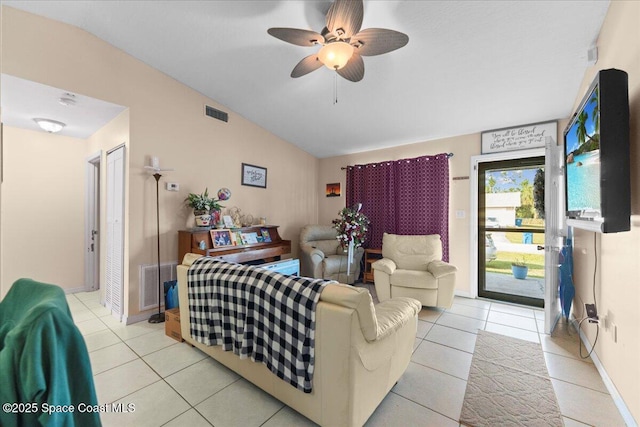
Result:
{"points": [[618, 270], [463, 147], [43, 208], [166, 119]]}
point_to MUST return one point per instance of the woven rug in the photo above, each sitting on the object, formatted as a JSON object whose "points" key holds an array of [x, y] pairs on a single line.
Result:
{"points": [[509, 385]]}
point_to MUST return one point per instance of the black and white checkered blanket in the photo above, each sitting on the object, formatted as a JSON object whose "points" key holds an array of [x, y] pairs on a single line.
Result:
{"points": [[257, 313]]}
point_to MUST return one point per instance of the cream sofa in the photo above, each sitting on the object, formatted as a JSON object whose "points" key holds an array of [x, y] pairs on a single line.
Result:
{"points": [[361, 351], [322, 256], [412, 266]]}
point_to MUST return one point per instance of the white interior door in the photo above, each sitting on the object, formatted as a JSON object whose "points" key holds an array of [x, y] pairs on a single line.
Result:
{"points": [[115, 232], [554, 231]]}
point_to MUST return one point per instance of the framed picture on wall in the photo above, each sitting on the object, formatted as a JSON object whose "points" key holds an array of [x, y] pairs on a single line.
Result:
{"points": [[221, 238], [254, 176], [333, 189]]}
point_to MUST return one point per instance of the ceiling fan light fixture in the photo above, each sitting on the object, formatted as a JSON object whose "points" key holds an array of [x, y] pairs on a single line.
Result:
{"points": [[343, 42], [51, 126], [335, 55]]}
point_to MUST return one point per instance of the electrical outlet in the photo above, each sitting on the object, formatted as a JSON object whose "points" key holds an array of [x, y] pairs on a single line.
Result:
{"points": [[172, 186], [592, 313]]}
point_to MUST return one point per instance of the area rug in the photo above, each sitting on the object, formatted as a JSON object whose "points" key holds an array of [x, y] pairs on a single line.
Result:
{"points": [[509, 385]]}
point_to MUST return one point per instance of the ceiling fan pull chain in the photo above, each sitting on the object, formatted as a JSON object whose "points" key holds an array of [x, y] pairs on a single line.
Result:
{"points": [[335, 88]]}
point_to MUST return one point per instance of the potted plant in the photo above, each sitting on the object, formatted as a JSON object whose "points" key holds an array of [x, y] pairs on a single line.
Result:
{"points": [[206, 208], [519, 268], [352, 226]]}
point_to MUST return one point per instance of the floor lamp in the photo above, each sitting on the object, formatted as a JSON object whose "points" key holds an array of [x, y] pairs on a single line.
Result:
{"points": [[155, 167]]}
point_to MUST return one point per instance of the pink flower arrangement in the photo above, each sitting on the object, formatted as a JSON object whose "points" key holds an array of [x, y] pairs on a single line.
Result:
{"points": [[352, 225]]}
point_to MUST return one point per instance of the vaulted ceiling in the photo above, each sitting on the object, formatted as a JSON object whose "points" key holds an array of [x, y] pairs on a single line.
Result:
{"points": [[469, 66]]}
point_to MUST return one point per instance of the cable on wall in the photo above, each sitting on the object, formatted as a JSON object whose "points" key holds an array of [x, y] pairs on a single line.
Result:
{"points": [[595, 303]]}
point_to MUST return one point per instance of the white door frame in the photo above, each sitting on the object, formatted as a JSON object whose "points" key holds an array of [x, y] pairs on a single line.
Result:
{"points": [[554, 231], [550, 288], [473, 191], [92, 222]]}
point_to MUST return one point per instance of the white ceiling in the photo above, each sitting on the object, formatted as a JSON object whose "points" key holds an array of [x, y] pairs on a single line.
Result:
{"points": [[24, 100], [469, 65]]}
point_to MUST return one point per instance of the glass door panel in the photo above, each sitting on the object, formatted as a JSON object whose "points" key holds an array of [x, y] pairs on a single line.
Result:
{"points": [[511, 231]]}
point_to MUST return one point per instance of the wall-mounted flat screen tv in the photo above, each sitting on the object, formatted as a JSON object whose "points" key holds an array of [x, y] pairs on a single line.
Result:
{"points": [[596, 143]]}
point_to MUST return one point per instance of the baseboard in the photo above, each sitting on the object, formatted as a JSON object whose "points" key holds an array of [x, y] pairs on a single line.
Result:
{"points": [[613, 391], [76, 290], [129, 320], [463, 294]]}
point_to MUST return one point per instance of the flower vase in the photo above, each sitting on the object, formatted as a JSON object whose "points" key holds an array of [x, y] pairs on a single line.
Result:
{"points": [[215, 217], [203, 218], [349, 257]]}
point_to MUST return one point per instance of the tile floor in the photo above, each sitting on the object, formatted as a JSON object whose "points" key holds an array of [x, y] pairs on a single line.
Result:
{"points": [[173, 384]]}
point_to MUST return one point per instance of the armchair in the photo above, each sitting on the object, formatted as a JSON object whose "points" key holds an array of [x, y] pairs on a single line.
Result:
{"points": [[322, 257], [412, 266]]}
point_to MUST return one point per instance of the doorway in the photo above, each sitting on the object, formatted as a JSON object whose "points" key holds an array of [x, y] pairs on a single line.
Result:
{"points": [[511, 231], [92, 223]]}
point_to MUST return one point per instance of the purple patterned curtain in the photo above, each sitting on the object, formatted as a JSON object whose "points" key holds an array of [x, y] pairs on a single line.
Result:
{"points": [[372, 186], [409, 196]]}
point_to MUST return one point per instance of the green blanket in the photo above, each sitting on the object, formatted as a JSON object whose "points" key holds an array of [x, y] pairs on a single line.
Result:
{"points": [[45, 372]]}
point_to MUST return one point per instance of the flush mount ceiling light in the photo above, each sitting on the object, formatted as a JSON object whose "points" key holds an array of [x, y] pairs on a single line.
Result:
{"points": [[343, 44], [51, 126]]}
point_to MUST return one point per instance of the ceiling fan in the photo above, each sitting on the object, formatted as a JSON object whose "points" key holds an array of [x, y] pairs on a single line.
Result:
{"points": [[343, 44]]}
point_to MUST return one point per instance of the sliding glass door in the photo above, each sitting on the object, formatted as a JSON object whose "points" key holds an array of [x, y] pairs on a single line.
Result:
{"points": [[511, 264]]}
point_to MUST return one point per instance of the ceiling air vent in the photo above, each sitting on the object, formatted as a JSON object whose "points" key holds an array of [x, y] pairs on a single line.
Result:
{"points": [[216, 114]]}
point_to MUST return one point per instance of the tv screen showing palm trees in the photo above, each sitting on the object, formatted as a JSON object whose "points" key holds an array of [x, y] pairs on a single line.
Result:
{"points": [[596, 148], [582, 145]]}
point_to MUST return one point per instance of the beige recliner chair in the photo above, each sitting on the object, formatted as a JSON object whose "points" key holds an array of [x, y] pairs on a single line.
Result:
{"points": [[322, 257], [412, 266]]}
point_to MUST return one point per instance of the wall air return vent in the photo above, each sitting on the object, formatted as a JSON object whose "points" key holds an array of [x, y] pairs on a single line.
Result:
{"points": [[149, 283], [216, 114]]}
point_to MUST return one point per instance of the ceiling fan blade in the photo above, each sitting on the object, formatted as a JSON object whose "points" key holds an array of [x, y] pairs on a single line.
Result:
{"points": [[297, 36], [354, 70], [307, 65], [376, 41], [345, 16]]}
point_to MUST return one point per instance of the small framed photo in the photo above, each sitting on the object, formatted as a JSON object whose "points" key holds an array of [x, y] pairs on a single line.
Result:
{"points": [[221, 238], [228, 221], [254, 176], [333, 189]]}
